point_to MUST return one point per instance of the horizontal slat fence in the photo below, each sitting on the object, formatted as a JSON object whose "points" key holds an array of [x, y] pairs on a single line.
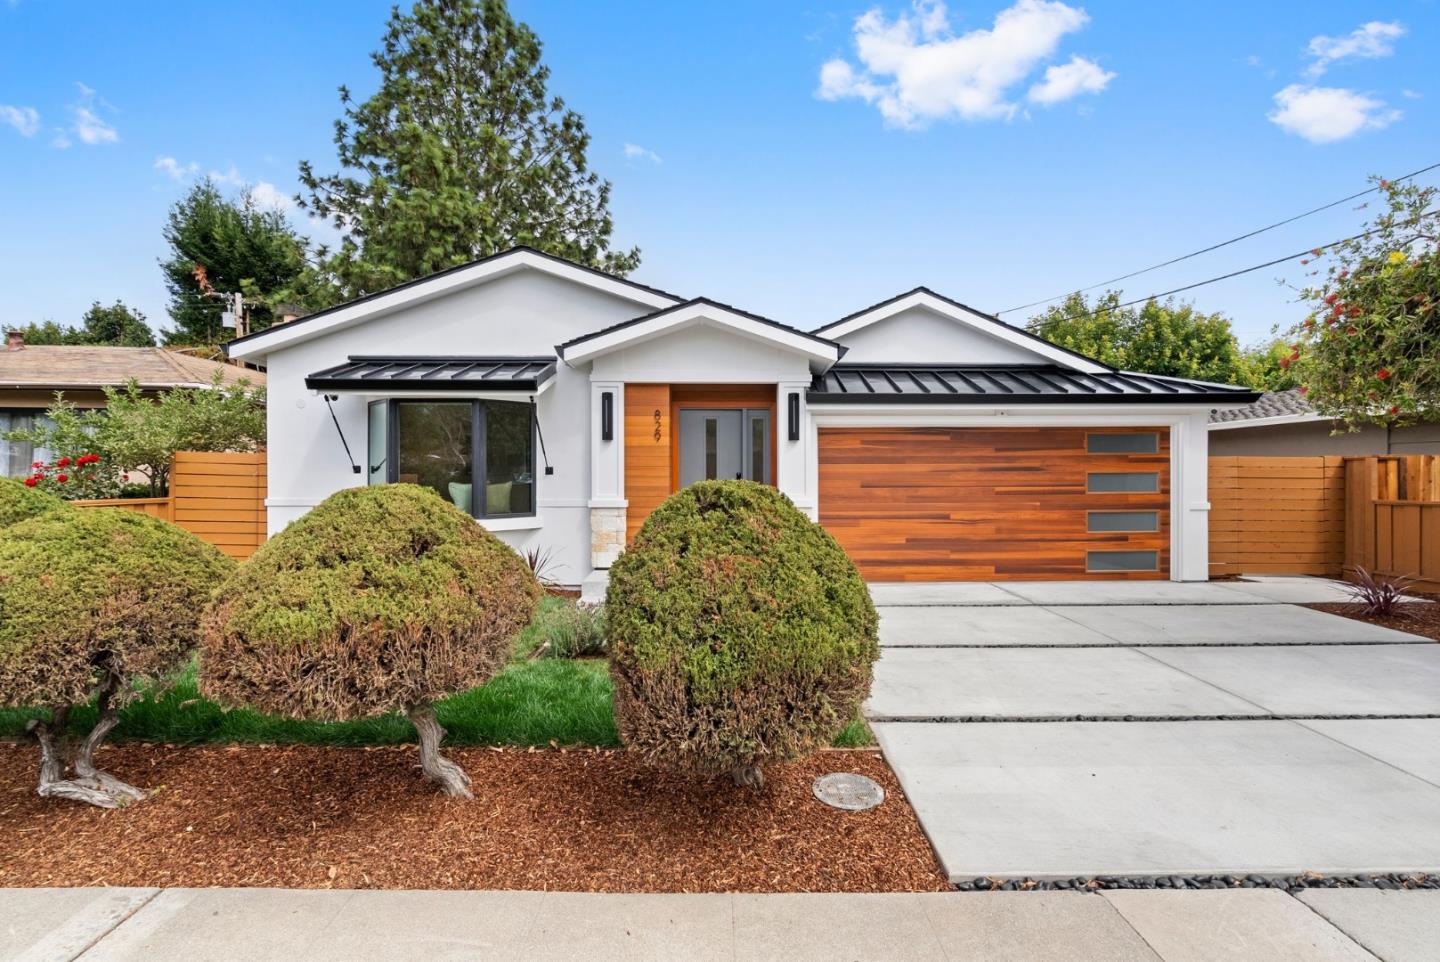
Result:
{"points": [[218, 496], [1392, 526], [1277, 516]]}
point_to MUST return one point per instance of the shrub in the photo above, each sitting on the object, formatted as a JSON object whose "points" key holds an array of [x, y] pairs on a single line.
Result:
{"points": [[740, 633], [1381, 598], [90, 602], [573, 631], [383, 598], [19, 502]]}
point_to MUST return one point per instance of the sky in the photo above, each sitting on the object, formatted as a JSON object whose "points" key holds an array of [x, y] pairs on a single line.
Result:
{"points": [[798, 160]]}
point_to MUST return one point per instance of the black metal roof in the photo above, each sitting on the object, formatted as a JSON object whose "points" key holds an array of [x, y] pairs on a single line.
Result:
{"points": [[438, 374], [1011, 384]]}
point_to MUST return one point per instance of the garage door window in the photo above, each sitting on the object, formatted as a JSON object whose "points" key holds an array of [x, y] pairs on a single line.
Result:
{"points": [[1101, 482], [1122, 561], [1142, 443], [1122, 521]]}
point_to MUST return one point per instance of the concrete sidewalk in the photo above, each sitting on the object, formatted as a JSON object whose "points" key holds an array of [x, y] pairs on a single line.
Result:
{"points": [[229, 925]]}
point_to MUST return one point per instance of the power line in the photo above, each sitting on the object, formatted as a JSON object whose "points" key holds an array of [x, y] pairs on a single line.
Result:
{"points": [[1213, 247]]}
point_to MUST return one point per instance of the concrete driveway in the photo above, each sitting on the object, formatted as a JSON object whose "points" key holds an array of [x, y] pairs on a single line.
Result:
{"points": [[1054, 730]]}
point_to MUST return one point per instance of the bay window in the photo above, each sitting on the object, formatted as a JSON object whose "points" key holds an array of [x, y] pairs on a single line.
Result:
{"points": [[478, 455]]}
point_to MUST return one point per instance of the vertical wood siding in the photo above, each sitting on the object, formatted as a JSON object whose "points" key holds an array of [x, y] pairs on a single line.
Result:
{"points": [[647, 452]]}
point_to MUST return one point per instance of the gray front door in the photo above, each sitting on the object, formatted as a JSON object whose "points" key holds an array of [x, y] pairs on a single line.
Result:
{"points": [[724, 443]]}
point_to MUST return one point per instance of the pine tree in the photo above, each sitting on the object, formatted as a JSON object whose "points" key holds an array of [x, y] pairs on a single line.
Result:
{"points": [[459, 154]]}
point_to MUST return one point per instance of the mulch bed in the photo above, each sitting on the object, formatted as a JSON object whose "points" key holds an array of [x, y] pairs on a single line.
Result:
{"points": [[589, 820], [1417, 618]]}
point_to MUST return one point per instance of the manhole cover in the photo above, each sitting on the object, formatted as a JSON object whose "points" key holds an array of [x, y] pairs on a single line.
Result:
{"points": [[853, 793]]}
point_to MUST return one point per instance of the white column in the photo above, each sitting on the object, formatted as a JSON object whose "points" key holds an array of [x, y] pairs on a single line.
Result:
{"points": [[1190, 518], [607, 477], [792, 464]]}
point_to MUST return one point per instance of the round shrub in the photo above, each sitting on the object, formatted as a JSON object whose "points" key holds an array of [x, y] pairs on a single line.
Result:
{"points": [[740, 632], [92, 601], [18, 502], [382, 598]]}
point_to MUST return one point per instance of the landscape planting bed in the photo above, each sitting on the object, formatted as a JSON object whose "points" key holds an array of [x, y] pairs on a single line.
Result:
{"points": [[572, 820], [1416, 618]]}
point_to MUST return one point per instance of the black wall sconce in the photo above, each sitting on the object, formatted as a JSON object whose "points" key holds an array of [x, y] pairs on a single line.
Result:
{"points": [[792, 406], [607, 415]]}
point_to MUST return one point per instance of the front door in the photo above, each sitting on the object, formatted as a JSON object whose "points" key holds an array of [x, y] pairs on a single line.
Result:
{"points": [[724, 443]]}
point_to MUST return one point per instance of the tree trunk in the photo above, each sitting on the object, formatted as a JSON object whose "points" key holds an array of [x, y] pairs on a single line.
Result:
{"points": [[53, 784], [450, 777], [748, 775], [86, 774]]}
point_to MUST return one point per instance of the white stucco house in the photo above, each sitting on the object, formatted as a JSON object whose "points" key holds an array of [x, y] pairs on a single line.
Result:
{"points": [[559, 405]]}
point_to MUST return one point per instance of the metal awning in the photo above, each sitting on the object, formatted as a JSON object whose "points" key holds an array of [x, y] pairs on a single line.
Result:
{"points": [[438, 374], [1009, 384]]}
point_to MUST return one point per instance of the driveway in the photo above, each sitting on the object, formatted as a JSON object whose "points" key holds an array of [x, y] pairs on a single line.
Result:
{"points": [[1055, 730]]}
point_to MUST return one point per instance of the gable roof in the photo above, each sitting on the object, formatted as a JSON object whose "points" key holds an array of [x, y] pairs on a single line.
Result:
{"points": [[443, 282], [1010, 384], [987, 324], [696, 311], [53, 367]]}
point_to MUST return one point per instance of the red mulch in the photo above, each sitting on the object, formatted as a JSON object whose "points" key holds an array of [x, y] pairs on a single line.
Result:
{"points": [[572, 820], [1418, 618]]}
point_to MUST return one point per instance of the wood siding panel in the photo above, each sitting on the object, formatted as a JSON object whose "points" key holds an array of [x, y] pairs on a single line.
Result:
{"points": [[958, 504], [647, 456]]}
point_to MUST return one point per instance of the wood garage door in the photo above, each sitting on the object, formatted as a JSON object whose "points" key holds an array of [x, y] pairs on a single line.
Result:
{"points": [[994, 504]]}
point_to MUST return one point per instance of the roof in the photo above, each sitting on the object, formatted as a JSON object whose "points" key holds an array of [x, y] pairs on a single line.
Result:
{"points": [[460, 275], [1012, 384], [77, 367], [1290, 405], [439, 374], [648, 325], [962, 313]]}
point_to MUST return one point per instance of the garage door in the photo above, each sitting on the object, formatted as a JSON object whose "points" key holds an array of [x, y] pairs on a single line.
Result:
{"points": [[985, 504]]}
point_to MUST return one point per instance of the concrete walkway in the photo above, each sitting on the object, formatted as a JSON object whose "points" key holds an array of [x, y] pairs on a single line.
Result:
{"points": [[1082, 731], [230, 925]]}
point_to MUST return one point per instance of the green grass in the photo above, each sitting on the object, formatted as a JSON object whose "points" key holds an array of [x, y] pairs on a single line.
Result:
{"points": [[530, 703]]}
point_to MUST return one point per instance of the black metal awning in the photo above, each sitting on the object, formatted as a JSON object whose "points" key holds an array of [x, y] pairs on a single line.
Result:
{"points": [[1010, 384], [438, 374]]}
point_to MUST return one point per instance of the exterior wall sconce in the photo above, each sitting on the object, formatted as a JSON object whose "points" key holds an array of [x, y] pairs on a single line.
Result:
{"points": [[607, 416], [792, 406]]}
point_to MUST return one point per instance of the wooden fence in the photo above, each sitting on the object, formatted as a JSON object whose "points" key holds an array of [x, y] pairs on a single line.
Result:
{"points": [[1392, 517], [218, 496], [1277, 515]]}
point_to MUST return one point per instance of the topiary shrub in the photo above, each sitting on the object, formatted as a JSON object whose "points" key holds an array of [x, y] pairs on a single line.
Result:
{"points": [[92, 601], [19, 502], [740, 633], [383, 598]]}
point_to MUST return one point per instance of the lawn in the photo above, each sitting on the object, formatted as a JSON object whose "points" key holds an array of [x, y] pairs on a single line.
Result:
{"points": [[547, 701]]}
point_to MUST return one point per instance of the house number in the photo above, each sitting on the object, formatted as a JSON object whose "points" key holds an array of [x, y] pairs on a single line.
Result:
{"points": [[657, 426]]}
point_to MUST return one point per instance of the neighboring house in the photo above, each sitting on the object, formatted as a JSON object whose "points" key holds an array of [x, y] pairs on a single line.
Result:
{"points": [[1283, 424], [559, 405], [30, 376]]}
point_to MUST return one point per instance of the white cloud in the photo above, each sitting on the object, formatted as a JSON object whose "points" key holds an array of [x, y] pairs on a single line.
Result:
{"points": [[1366, 42], [174, 169], [89, 126], [1323, 115], [1079, 76], [266, 194], [229, 178], [915, 69], [1411, 94], [636, 152], [24, 119]]}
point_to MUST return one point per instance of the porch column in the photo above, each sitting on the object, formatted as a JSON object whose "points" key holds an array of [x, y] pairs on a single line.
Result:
{"points": [[607, 472], [792, 462]]}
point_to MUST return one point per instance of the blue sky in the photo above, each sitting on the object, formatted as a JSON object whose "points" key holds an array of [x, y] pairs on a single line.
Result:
{"points": [[800, 160]]}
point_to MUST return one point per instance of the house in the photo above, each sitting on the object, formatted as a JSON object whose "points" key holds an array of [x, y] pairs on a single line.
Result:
{"points": [[31, 375], [1283, 424], [559, 405]]}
